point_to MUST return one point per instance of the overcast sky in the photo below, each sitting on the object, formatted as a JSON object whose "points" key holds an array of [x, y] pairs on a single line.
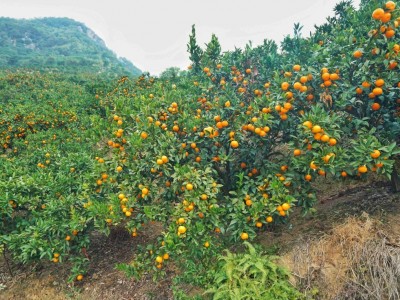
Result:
{"points": [[153, 34]]}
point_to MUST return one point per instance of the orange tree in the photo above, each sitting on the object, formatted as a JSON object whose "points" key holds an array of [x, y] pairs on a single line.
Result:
{"points": [[46, 155], [233, 146]]}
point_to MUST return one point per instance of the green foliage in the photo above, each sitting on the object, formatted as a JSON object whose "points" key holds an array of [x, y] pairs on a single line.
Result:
{"points": [[196, 53], [251, 275], [57, 44], [171, 74], [212, 52], [46, 122]]}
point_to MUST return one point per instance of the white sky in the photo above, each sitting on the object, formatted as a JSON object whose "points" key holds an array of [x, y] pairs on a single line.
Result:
{"points": [[153, 34]]}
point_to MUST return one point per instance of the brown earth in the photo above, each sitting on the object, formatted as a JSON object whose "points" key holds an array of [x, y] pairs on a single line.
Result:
{"points": [[336, 206]]}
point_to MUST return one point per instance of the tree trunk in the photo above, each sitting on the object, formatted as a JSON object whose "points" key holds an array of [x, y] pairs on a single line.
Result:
{"points": [[6, 261], [395, 180]]}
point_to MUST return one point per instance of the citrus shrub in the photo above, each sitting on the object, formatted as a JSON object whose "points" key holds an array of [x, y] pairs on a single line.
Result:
{"points": [[46, 156], [226, 152]]}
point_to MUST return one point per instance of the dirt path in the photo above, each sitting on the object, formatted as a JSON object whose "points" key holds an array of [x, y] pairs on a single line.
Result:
{"points": [[48, 281]]}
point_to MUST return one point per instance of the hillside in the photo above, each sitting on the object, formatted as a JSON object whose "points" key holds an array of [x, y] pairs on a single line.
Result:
{"points": [[57, 43]]}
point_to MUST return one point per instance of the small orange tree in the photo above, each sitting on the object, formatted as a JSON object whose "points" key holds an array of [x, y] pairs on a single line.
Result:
{"points": [[227, 150]]}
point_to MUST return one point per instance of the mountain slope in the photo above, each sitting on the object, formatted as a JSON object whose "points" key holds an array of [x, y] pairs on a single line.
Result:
{"points": [[57, 43]]}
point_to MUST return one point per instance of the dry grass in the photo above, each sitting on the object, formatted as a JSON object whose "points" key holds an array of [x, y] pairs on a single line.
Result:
{"points": [[356, 260], [376, 275]]}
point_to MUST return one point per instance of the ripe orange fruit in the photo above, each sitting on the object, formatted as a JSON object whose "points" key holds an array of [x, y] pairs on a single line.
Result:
{"points": [[324, 138], [285, 86], [297, 152], [164, 159], [182, 229], [159, 259], [119, 169], [145, 191], [332, 141], [378, 13], [392, 64], [206, 244], [303, 79], [189, 186], [234, 144], [297, 85], [363, 169], [144, 135], [366, 84], [313, 165], [333, 76], [390, 5], [288, 74], [308, 124], [269, 219], [289, 95], [386, 17], [325, 76], [296, 68], [343, 174], [308, 177], [79, 277], [379, 82], [318, 136], [375, 106], [377, 91], [375, 154], [244, 236], [357, 54], [316, 129], [390, 33], [285, 206]]}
